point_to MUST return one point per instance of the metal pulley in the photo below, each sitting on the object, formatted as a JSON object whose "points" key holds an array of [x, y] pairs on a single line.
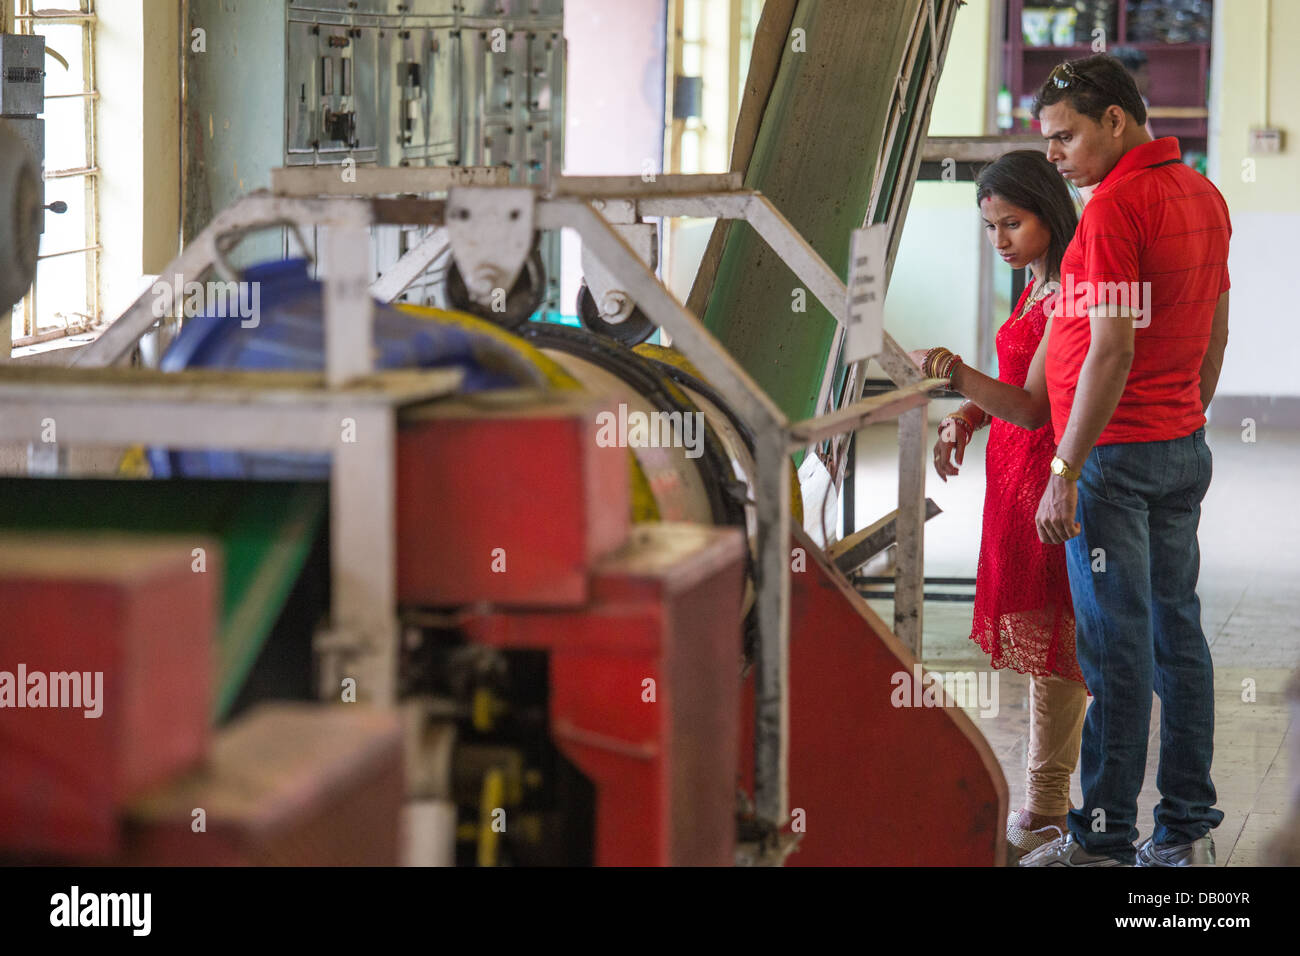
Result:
{"points": [[631, 329], [509, 309], [496, 270], [21, 214], [608, 310]]}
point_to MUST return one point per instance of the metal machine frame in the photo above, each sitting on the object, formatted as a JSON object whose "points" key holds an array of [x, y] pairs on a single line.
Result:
{"points": [[303, 412]]}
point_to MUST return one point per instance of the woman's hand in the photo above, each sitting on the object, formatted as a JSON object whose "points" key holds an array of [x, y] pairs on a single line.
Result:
{"points": [[918, 358], [953, 439]]}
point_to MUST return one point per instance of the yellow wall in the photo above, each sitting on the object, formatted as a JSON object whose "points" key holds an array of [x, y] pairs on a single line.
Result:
{"points": [[1241, 51], [1263, 349], [959, 103]]}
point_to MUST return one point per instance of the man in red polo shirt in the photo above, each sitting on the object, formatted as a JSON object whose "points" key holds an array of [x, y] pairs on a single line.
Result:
{"points": [[1133, 356]]}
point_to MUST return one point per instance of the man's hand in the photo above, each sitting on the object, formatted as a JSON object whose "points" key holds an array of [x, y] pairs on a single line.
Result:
{"points": [[1055, 518]]}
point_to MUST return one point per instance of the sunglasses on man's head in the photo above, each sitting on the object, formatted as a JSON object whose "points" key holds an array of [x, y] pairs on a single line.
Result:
{"points": [[1065, 75]]}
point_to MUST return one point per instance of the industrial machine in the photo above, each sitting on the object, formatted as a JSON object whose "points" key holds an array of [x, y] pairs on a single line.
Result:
{"points": [[551, 591], [552, 681]]}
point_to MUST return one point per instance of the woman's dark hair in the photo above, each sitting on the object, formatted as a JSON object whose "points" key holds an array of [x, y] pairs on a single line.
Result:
{"points": [[1025, 178]]}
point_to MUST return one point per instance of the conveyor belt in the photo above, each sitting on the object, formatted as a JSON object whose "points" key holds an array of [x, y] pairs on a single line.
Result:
{"points": [[837, 102]]}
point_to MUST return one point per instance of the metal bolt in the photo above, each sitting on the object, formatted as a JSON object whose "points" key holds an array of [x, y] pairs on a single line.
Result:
{"points": [[612, 306], [487, 277]]}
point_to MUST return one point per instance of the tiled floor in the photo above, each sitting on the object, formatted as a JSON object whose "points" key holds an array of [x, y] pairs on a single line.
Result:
{"points": [[1250, 603]]}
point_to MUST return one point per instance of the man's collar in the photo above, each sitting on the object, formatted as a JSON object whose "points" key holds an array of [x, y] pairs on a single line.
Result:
{"points": [[1160, 150]]}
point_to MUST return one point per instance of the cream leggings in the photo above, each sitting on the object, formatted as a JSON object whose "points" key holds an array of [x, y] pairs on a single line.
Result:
{"points": [[1055, 729]]}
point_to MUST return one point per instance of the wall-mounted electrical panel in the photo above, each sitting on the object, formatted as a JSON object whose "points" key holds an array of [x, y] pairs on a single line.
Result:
{"points": [[428, 83]]}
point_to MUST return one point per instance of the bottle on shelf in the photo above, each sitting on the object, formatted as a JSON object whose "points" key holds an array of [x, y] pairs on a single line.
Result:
{"points": [[1004, 109]]}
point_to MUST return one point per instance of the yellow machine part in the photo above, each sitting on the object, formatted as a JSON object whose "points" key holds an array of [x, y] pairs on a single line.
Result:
{"points": [[643, 502], [678, 360], [491, 813]]}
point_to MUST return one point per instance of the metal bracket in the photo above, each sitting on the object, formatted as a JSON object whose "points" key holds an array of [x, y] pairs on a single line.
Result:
{"points": [[224, 243], [615, 303], [491, 231], [403, 274]]}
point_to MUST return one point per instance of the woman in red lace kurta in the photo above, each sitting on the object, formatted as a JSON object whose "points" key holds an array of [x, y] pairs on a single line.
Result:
{"points": [[1023, 614], [1023, 617]]}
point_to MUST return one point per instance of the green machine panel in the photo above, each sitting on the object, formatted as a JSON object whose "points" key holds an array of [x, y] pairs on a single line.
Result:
{"points": [[266, 531]]}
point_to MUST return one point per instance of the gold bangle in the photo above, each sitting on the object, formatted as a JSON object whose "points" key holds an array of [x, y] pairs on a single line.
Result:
{"points": [[933, 358]]}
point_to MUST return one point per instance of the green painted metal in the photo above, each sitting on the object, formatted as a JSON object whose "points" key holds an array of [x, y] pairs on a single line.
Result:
{"points": [[265, 529], [820, 140]]}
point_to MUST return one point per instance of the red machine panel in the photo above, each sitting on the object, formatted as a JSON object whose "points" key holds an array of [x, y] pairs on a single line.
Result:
{"points": [[878, 784], [645, 692], [547, 501], [288, 784], [105, 680]]}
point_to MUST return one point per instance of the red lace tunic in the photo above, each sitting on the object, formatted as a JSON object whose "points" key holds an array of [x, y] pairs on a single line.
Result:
{"points": [[1023, 614]]}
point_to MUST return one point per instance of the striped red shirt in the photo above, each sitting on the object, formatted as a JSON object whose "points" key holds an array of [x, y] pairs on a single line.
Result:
{"points": [[1154, 236]]}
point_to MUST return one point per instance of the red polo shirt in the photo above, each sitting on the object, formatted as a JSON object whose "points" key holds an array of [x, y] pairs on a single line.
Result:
{"points": [[1155, 234]]}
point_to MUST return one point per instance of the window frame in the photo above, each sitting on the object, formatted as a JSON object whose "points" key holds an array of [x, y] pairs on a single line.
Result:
{"points": [[28, 20]]}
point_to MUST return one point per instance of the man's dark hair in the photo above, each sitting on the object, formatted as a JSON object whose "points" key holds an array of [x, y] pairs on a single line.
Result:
{"points": [[1093, 85], [1025, 178]]}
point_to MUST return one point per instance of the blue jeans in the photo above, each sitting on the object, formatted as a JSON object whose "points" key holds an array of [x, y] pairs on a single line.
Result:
{"points": [[1139, 630]]}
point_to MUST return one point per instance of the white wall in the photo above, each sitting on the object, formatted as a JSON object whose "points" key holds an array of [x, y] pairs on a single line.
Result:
{"points": [[138, 131], [614, 99]]}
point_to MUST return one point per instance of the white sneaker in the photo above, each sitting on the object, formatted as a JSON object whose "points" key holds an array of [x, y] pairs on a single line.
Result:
{"points": [[1065, 851]]}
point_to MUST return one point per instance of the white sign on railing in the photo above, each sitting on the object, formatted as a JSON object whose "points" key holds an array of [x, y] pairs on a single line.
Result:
{"points": [[864, 334]]}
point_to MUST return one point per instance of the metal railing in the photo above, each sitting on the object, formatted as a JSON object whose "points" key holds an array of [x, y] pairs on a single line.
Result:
{"points": [[485, 226]]}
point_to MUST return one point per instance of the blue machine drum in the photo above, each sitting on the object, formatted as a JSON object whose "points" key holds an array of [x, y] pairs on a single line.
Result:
{"points": [[289, 334]]}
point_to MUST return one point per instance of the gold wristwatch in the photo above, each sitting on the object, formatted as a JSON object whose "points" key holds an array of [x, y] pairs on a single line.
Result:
{"points": [[1061, 468]]}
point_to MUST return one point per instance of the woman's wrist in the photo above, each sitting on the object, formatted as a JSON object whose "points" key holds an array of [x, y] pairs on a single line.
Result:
{"points": [[975, 415], [941, 363], [960, 421], [957, 372]]}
